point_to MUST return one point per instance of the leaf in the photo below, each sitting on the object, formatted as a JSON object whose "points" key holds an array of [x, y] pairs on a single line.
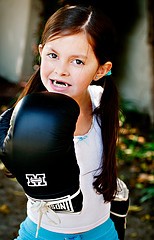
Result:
{"points": [[144, 177], [135, 208], [4, 209]]}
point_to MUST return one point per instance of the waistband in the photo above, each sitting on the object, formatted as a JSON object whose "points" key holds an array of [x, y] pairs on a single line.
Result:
{"points": [[50, 207], [106, 231]]}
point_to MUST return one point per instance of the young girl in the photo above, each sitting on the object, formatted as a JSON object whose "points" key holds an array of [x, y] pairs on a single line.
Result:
{"points": [[76, 60]]}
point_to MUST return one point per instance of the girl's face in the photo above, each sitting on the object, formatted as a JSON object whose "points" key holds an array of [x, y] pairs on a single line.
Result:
{"points": [[68, 65]]}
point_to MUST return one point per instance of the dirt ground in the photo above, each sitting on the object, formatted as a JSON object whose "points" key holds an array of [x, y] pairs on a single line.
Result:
{"points": [[13, 212], [12, 207]]}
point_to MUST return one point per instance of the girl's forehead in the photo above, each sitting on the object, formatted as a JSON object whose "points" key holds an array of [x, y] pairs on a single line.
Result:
{"points": [[79, 41], [82, 36]]}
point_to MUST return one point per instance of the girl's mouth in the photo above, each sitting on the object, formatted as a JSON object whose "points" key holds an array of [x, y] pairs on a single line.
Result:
{"points": [[60, 84]]}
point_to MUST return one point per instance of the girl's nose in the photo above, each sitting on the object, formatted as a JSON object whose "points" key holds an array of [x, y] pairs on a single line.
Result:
{"points": [[61, 69]]}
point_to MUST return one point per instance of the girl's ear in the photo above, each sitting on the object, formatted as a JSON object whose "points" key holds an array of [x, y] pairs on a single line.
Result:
{"points": [[102, 70], [40, 48]]}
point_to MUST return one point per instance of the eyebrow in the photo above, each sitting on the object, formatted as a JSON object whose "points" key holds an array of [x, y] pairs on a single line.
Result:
{"points": [[73, 55]]}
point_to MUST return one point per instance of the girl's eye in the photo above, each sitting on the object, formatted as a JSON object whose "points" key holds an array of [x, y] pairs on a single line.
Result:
{"points": [[78, 62], [52, 55]]}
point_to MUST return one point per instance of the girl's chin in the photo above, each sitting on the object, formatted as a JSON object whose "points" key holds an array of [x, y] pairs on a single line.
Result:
{"points": [[55, 91]]}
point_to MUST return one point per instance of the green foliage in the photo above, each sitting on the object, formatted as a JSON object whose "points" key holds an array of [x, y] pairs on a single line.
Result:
{"points": [[148, 193], [135, 150]]}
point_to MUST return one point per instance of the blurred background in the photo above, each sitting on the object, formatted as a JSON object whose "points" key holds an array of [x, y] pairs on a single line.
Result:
{"points": [[21, 25]]}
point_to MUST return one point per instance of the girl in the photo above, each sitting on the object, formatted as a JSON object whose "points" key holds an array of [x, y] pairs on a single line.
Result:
{"points": [[76, 60]]}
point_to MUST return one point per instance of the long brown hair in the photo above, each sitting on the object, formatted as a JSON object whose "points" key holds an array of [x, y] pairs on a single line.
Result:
{"points": [[70, 20]]}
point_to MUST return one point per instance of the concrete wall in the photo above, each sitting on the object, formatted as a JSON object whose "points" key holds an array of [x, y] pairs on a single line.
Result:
{"points": [[137, 77], [17, 22]]}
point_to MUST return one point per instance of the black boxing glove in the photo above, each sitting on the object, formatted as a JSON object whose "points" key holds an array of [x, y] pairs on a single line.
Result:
{"points": [[39, 147], [119, 208], [4, 126]]}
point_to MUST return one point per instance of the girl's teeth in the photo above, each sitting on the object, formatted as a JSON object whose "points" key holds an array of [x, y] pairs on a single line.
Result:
{"points": [[58, 84]]}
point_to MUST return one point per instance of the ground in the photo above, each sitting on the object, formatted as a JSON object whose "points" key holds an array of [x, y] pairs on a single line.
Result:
{"points": [[13, 201]]}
